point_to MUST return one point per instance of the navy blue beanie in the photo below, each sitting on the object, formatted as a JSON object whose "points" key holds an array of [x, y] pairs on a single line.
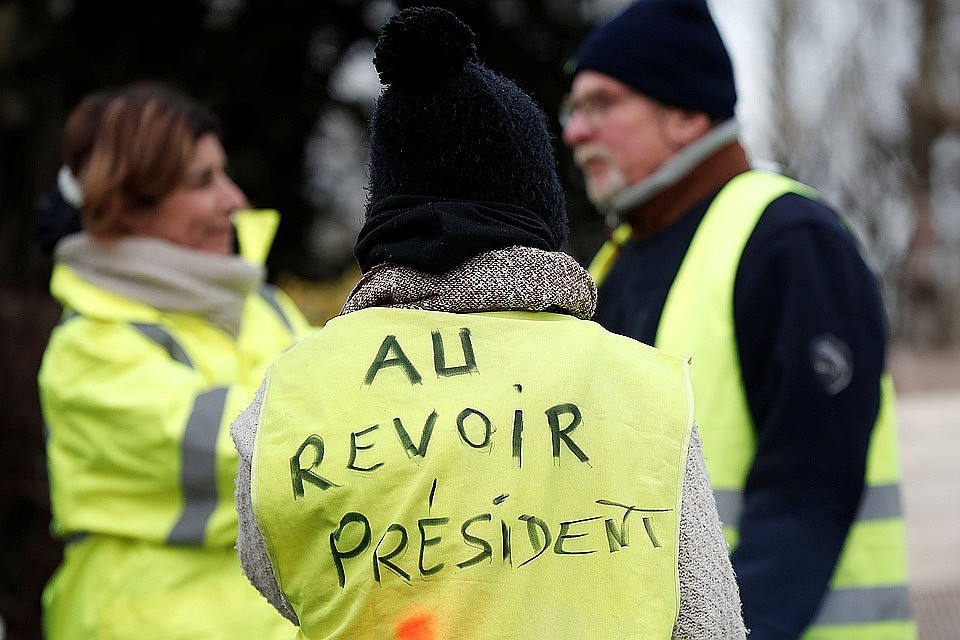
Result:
{"points": [[668, 50]]}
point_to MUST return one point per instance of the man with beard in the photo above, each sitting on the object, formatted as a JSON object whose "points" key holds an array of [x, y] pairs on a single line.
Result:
{"points": [[761, 282]]}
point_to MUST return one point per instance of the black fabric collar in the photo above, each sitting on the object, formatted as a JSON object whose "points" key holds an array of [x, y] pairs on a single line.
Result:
{"points": [[436, 234]]}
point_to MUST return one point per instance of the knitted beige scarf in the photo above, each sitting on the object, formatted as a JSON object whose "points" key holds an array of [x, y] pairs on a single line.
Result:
{"points": [[516, 278], [166, 276]]}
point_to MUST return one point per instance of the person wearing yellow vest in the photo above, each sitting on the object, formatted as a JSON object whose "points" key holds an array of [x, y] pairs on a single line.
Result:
{"points": [[461, 453], [761, 283], [165, 335]]}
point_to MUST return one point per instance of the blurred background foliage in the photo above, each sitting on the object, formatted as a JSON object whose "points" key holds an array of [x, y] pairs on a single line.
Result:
{"points": [[861, 100]]}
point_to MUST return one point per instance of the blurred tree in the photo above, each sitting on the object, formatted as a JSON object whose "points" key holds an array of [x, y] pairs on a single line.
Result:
{"points": [[930, 273], [863, 105]]}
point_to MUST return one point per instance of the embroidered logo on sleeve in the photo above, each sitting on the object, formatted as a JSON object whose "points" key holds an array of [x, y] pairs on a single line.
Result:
{"points": [[832, 363]]}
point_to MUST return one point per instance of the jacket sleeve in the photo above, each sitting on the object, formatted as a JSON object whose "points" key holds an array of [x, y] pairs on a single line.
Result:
{"points": [[250, 544], [138, 444], [811, 333], [709, 598]]}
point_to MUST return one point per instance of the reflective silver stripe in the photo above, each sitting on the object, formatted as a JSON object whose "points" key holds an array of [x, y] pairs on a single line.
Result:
{"points": [[878, 503], [729, 505], [199, 472], [269, 293], [865, 605], [77, 536], [160, 336]]}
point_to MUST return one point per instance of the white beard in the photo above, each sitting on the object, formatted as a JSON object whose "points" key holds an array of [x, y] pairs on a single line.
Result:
{"points": [[601, 189]]}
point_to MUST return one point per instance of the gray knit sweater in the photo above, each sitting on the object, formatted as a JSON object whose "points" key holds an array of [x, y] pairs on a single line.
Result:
{"points": [[521, 278]]}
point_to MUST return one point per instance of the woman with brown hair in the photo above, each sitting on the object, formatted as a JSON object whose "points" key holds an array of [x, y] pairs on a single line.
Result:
{"points": [[166, 333]]}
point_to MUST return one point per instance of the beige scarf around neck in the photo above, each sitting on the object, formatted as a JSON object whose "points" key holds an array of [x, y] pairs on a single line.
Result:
{"points": [[165, 276]]}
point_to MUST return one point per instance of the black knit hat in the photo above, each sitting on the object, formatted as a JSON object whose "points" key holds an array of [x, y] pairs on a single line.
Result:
{"points": [[669, 50], [447, 128]]}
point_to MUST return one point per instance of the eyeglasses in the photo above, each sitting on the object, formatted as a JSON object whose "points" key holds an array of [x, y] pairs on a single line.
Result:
{"points": [[594, 107]]}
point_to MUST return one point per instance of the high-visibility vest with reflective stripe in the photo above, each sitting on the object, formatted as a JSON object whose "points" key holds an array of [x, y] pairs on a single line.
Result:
{"points": [[508, 475], [868, 595], [138, 405]]}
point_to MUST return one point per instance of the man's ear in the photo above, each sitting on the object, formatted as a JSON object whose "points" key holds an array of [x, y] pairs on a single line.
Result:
{"points": [[683, 126]]}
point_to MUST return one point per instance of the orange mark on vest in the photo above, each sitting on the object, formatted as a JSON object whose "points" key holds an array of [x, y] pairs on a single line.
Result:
{"points": [[419, 626]]}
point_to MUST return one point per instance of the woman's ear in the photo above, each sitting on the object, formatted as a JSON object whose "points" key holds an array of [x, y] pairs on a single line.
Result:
{"points": [[131, 220]]}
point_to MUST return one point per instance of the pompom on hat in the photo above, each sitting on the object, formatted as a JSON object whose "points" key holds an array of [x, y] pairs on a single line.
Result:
{"points": [[668, 50], [460, 145]]}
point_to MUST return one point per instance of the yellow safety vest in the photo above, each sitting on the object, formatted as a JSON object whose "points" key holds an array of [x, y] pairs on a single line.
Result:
{"points": [[138, 405], [868, 597], [490, 475]]}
